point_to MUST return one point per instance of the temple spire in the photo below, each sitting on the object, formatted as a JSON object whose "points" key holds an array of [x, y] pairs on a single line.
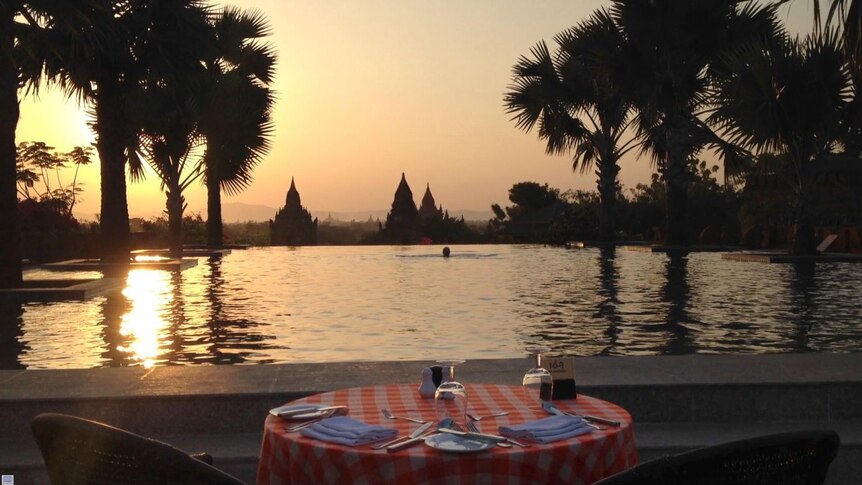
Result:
{"points": [[293, 224], [292, 199], [429, 206], [403, 219]]}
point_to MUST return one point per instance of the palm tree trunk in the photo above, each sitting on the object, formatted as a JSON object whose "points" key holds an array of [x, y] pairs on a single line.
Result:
{"points": [[175, 221], [676, 178], [214, 223], [675, 213], [110, 144], [607, 185], [804, 243], [10, 236]]}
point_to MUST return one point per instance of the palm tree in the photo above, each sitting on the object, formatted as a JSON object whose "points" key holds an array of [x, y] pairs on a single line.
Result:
{"points": [[10, 236], [218, 99], [170, 144], [28, 30], [844, 16], [788, 96], [677, 42], [102, 58], [167, 105], [95, 63], [236, 109], [578, 98]]}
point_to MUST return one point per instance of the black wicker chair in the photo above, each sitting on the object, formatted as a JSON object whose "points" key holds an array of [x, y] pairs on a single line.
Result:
{"points": [[796, 458], [80, 451]]}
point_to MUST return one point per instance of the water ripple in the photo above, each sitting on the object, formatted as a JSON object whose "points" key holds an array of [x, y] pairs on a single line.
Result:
{"points": [[323, 304]]}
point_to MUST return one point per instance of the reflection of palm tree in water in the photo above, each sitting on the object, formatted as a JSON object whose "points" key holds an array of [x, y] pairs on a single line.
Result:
{"points": [[675, 293], [220, 334], [11, 335], [216, 282], [803, 303], [608, 291], [225, 334], [113, 307]]}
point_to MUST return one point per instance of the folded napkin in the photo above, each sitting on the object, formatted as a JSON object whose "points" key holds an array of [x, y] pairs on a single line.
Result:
{"points": [[347, 431], [547, 430]]}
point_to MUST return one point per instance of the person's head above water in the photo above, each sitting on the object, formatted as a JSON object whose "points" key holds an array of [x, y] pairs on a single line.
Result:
{"points": [[446, 252]]}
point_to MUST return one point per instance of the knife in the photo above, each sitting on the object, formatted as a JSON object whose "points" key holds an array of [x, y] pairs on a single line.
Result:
{"points": [[551, 409], [417, 437], [488, 438], [414, 435], [309, 410]]}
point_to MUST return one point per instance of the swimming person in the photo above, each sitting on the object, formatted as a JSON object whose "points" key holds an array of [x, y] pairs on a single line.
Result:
{"points": [[446, 252]]}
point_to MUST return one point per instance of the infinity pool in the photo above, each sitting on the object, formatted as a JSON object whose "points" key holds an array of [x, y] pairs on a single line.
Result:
{"points": [[323, 304]]}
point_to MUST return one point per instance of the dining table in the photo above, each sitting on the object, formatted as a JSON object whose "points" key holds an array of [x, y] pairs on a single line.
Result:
{"points": [[291, 458]]}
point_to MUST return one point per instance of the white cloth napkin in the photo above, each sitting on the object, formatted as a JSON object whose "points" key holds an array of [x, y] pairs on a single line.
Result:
{"points": [[347, 431], [547, 430]]}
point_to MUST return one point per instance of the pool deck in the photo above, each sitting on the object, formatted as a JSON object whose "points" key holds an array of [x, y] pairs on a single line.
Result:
{"points": [[677, 402], [61, 290]]}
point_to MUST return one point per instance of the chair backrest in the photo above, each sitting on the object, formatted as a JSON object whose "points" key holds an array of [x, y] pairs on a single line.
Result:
{"points": [[796, 458], [80, 451]]}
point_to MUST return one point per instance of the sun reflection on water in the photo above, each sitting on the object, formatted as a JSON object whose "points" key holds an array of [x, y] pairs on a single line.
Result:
{"points": [[146, 324]]}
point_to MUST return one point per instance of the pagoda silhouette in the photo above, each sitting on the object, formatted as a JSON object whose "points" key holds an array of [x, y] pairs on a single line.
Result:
{"points": [[430, 224], [293, 225], [429, 209], [402, 221]]}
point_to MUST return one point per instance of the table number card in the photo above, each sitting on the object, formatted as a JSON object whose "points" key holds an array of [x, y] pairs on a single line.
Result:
{"points": [[563, 371]]}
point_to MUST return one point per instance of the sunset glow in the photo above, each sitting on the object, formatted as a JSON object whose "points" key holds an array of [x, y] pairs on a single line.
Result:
{"points": [[367, 90]]}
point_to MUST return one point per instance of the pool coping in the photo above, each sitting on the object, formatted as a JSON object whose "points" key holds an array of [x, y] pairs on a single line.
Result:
{"points": [[774, 257], [173, 264], [607, 372]]}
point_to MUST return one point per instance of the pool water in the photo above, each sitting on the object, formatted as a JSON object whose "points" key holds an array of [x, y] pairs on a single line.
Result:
{"points": [[325, 304]]}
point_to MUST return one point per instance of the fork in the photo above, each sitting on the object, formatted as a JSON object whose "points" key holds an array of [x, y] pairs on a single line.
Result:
{"points": [[297, 427], [388, 415]]}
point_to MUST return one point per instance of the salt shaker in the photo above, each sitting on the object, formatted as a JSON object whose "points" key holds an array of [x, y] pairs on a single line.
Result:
{"points": [[427, 388]]}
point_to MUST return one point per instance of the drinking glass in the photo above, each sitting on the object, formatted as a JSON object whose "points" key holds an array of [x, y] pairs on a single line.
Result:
{"points": [[538, 382], [450, 399]]}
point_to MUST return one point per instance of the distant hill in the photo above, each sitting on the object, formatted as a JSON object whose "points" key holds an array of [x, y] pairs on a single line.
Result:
{"points": [[469, 215], [240, 212]]}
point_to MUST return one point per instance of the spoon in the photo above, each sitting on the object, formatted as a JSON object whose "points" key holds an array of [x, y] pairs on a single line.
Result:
{"points": [[388, 415], [480, 418]]}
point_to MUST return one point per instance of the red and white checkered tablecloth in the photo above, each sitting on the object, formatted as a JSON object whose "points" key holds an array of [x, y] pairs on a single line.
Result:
{"points": [[289, 458]]}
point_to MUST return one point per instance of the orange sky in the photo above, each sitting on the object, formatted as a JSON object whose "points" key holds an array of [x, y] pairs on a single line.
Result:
{"points": [[369, 89]]}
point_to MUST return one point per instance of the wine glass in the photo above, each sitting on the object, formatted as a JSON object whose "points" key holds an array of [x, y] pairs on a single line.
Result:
{"points": [[450, 399], [538, 382]]}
